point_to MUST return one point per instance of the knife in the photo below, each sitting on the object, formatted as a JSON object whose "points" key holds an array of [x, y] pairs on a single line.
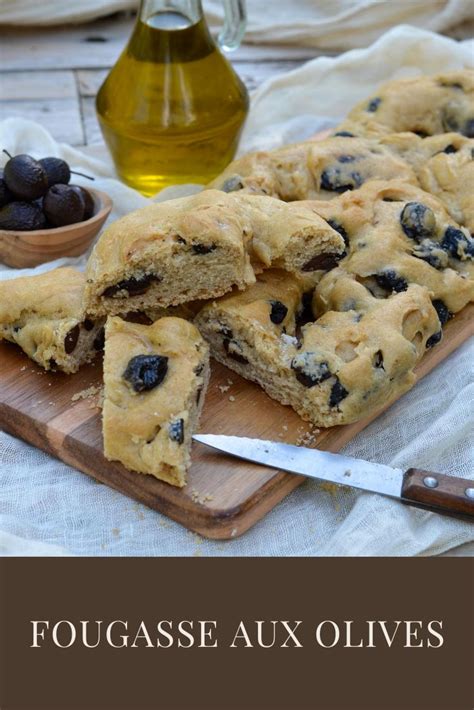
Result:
{"points": [[433, 491]]}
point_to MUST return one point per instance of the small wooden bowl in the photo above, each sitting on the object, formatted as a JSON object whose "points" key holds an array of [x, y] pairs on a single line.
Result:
{"points": [[25, 249]]}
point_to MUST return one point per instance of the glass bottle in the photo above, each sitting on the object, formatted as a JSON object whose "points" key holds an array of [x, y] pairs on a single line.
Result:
{"points": [[172, 108]]}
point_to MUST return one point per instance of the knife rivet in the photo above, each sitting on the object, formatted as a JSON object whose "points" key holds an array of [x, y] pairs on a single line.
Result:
{"points": [[430, 482], [469, 492]]}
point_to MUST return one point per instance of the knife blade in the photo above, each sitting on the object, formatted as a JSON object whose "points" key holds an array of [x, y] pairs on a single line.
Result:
{"points": [[434, 491]]}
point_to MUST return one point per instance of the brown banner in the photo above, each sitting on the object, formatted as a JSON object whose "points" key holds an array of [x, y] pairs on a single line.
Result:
{"points": [[236, 634]]}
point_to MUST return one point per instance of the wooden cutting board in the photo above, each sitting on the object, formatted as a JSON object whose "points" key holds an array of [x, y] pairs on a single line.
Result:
{"points": [[224, 496]]}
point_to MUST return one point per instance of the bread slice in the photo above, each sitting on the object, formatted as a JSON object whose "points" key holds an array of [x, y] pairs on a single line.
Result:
{"points": [[332, 371], [155, 377], [44, 315], [199, 247]]}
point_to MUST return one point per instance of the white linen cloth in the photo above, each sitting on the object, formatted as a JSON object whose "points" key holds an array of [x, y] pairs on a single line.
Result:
{"points": [[47, 507], [327, 24]]}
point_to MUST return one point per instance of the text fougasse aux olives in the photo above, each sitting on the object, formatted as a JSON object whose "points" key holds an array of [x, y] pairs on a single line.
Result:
{"points": [[263, 634]]}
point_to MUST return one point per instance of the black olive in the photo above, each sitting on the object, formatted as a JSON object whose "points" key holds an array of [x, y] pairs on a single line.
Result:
{"points": [[322, 262], [137, 317], [374, 104], [451, 85], [278, 312], [308, 370], [22, 217], [344, 134], [468, 129], [432, 253], [203, 248], [130, 287], [85, 195], [62, 205], [304, 313], [99, 340], [5, 195], [57, 170], [226, 332], [378, 359], [334, 180], [339, 228], [176, 431], [390, 281], [233, 353], [70, 341], [232, 184], [346, 158], [435, 338], [418, 221], [145, 372], [25, 177], [452, 120], [442, 310], [338, 393], [456, 243]]}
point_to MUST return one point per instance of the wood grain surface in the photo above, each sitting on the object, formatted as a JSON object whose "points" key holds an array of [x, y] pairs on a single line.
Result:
{"points": [[448, 495], [224, 496]]}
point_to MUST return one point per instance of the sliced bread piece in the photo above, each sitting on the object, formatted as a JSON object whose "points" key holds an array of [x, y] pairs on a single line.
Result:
{"points": [[44, 315], [332, 371], [155, 377], [200, 247]]}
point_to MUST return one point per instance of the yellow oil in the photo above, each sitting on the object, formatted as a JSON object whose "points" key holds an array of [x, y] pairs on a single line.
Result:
{"points": [[172, 108]]}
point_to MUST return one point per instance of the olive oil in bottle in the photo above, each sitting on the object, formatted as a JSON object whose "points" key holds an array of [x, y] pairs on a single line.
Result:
{"points": [[172, 108]]}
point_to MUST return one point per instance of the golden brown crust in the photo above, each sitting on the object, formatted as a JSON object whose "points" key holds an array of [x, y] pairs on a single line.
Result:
{"points": [[427, 105], [54, 294], [313, 169]]}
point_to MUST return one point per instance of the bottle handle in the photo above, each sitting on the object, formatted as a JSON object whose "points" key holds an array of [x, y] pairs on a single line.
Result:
{"points": [[235, 23]]}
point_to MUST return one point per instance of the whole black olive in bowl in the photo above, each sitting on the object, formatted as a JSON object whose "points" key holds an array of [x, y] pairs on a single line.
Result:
{"points": [[25, 247]]}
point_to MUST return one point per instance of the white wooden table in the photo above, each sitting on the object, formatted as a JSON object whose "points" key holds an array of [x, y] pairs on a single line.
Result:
{"points": [[52, 75]]}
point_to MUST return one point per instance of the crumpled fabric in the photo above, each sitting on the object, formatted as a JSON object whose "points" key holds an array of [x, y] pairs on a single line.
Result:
{"points": [[48, 508], [324, 24]]}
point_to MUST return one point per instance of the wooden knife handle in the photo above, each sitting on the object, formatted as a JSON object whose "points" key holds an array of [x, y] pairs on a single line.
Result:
{"points": [[440, 493]]}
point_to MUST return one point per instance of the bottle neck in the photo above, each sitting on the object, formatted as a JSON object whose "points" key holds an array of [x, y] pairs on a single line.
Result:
{"points": [[170, 14]]}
